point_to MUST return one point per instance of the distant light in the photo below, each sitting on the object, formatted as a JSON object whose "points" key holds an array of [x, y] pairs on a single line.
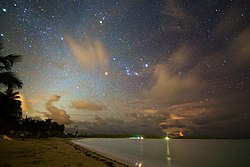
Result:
{"points": [[137, 137], [14, 4], [106, 73], [100, 21], [167, 138], [146, 65], [114, 58], [136, 73], [4, 10], [1, 35], [61, 38], [138, 164]]}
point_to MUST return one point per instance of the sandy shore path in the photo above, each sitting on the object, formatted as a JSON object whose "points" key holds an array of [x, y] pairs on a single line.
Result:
{"points": [[49, 153]]}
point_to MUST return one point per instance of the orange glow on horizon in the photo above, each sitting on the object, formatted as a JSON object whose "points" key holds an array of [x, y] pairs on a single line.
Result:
{"points": [[181, 134]]}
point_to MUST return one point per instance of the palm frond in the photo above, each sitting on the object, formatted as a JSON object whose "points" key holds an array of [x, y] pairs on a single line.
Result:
{"points": [[9, 60], [12, 58], [10, 80], [11, 94]]}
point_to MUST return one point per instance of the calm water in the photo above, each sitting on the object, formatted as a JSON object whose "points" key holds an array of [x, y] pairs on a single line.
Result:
{"points": [[173, 153]]}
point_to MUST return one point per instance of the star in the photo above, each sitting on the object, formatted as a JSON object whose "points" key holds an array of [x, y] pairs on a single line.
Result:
{"points": [[4, 10]]}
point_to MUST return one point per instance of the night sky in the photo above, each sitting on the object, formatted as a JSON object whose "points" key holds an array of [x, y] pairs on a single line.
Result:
{"points": [[133, 66]]}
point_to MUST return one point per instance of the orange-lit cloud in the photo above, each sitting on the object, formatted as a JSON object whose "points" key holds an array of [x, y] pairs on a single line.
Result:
{"points": [[25, 104], [150, 111], [84, 105], [175, 117], [57, 114], [89, 54], [181, 134]]}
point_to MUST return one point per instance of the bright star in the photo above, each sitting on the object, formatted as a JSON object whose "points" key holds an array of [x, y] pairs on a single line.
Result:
{"points": [[1, 35], [146, 65], [4, 10], [106, 73]]}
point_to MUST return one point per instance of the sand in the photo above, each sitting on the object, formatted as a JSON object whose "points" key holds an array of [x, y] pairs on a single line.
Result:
{"points": [[50, 153]]}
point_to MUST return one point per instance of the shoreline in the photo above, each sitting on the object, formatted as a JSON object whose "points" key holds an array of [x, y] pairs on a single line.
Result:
{"points": [[51, 152], [96, 155]]}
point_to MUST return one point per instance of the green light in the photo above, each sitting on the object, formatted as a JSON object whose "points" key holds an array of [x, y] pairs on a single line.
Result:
{"points": [[167, 138]]}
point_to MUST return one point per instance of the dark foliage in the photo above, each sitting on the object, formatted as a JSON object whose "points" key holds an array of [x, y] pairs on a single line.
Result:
{"points": [[39, 128], [10, 106]]}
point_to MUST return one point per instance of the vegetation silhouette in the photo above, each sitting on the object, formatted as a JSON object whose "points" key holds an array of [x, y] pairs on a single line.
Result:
{"points": [[11, 121], [10, 105]]}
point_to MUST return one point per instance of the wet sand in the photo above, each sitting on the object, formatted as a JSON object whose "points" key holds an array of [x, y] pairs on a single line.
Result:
{"points": [[50, 152]]}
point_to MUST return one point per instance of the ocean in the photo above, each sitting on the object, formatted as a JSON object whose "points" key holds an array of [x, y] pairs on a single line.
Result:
{"points": [[173, 152]]}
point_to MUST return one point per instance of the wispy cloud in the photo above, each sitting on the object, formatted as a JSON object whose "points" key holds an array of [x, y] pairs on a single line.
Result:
{"points": [[85, 105], [176, 18], [174, 84], [90, 53], [239, 49]]}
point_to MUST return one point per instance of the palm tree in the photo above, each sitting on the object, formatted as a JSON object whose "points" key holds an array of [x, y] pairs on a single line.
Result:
{"points": [[10, 106], [14, 103], [11, 111], [8, 78]]}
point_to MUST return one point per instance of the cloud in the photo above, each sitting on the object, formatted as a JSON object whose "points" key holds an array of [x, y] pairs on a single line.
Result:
{"points": [[58, 115], [150, 111], [27, 108], [175, 117], [174, 9], [83, 105], [25, 104], [173, 82], [89, 54], [239, 49], [176, 18], [229, 23]]}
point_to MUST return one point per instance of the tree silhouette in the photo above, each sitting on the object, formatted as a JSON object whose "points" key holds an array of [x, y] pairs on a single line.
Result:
{"points": [[8, 78], [10, 106], [11, 111]]}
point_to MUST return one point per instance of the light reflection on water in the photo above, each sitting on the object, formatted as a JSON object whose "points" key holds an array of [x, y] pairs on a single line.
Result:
{"points": [[168, 155], [139, 163], [173, 152]]}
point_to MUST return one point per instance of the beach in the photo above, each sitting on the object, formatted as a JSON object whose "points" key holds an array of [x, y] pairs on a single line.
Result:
{"points": [[50, 152]]}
